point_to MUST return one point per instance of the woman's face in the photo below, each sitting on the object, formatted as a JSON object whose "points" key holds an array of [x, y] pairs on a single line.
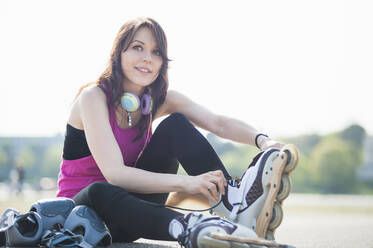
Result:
{"points": [[142, 60]]}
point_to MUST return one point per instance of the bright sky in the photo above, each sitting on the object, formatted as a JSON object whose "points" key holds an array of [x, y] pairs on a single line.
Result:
{"points": [[285, 67]]}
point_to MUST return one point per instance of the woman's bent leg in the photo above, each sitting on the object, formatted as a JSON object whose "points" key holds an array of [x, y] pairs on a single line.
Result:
{"points": [[127, 217], [177, 140]]}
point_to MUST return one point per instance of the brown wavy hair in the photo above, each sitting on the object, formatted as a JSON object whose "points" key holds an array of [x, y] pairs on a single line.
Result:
{"points": [[110, 81]]}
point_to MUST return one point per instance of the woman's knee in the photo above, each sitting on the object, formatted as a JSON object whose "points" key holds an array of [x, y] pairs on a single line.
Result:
{"points": [[177, 117], [175, 120], [96, 193], [97, 189]]}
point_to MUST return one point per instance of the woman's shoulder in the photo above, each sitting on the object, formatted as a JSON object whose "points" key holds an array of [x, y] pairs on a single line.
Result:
{"points": [[89, 98], [92, 98], [92, 93]]}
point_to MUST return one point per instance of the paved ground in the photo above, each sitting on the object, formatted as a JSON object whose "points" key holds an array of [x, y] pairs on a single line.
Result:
{"points": [[327, 221], [327, 230]]}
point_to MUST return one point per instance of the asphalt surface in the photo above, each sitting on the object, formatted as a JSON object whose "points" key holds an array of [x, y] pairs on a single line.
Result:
{"points": [[327, 230]]}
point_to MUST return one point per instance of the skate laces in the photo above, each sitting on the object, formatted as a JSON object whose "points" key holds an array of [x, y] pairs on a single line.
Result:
{"points": [[236, 195], [188, 221], [234, 182], [238, 190], [191, 220]]}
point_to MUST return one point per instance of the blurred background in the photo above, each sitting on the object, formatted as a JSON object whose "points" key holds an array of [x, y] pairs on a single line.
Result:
{"points": [[300, 71], [339, 162]]}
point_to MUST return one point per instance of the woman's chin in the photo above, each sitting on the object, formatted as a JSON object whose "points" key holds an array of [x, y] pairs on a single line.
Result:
{"points": [[143, 83], [140, 83]]}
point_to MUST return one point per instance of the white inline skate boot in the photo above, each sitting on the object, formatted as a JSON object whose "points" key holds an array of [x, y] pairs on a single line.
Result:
{"points": [[255, 200], [195, 230]]}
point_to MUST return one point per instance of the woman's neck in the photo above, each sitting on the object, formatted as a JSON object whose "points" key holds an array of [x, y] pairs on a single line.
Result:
{"points": [[133, 88]]}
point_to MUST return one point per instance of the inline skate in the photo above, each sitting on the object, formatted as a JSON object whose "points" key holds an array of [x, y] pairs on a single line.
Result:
{"points": [[255, 200]]}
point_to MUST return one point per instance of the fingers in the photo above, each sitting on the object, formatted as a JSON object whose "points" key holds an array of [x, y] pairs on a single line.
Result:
{"points": [[210, 192], [219, 180], [213, 191], [214, 184], [209, 196], [210, 184]]}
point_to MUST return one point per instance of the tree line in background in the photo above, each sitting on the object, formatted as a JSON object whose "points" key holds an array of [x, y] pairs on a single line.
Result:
{"points": [[327, 164], [39, 157]]}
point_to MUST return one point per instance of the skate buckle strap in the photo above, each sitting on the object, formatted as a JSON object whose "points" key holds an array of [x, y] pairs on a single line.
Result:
{"points": [[11, 219], [61, 238], [183, 238], [193, 219], [8, 218]]}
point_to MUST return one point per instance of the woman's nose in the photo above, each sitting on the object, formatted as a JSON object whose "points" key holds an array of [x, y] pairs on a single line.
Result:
{"points": [[147, 57]]}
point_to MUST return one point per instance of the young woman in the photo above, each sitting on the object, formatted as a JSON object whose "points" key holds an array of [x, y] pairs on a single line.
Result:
{"points": [[113, 163]]}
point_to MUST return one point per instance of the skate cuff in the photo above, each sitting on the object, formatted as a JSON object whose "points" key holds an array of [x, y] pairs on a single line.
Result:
{"points": [[256, 139]]}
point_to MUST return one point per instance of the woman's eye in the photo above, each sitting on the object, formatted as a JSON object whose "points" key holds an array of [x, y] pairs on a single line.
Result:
{"points": [[138, 48], [157, 53]]}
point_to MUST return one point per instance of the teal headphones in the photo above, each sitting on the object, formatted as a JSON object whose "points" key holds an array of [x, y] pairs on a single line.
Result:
{"points": [[131, 102]]}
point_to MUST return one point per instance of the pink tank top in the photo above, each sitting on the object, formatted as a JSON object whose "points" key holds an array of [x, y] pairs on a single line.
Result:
{"points": [[76, 174]]}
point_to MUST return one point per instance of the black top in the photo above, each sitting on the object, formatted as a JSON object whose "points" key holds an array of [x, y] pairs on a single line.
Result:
{"points": [[75, 145]]}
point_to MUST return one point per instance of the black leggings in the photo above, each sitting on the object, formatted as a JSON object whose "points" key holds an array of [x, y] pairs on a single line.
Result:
{"points": [[130, 216]]}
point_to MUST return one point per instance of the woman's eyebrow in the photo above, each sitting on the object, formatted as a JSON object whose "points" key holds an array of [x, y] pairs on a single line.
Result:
{"points": [[138, 41]]}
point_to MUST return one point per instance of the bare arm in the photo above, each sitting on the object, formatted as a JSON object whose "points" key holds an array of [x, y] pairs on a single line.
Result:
{"points": [[106, 152], [223, 126]]}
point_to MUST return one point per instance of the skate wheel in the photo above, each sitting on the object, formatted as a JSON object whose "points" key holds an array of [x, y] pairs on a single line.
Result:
{"points": [[292, 160], [285, 188], [277, 215], [270, 235]]}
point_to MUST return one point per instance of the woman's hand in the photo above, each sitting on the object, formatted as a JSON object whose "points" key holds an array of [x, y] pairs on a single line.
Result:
{"points": [[209, 184]]}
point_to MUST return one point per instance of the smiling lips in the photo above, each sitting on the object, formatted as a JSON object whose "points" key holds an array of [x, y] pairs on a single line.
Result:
{"points": [[143, 70]]}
